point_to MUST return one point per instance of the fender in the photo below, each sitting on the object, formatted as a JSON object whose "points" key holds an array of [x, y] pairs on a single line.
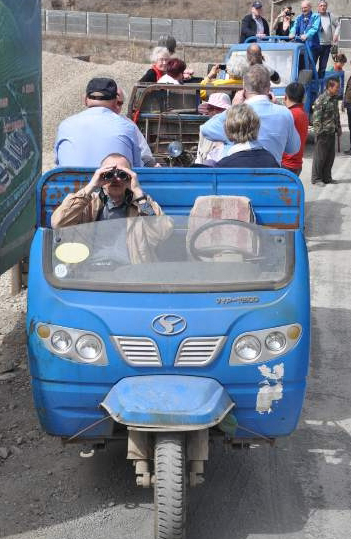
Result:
{"points": [[167, 402]]}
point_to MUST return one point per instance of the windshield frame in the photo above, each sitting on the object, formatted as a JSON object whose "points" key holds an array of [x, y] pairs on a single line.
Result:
{"points": [[273, 54], [164, 288]]}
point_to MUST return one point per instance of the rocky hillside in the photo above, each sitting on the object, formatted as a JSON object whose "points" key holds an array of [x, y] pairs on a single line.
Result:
{"points": [[192, 9], [225, 9]]}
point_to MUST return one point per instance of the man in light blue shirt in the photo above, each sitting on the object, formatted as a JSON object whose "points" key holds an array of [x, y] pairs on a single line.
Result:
{"points": [[277, 133], [84, 139]]}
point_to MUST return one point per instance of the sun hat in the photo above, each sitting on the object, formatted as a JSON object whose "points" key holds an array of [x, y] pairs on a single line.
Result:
{"points": [[101, 89], [218, 100]]}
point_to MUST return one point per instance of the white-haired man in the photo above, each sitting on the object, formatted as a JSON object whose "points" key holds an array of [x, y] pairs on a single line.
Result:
{"points": [[328, 34], [306, 27]]}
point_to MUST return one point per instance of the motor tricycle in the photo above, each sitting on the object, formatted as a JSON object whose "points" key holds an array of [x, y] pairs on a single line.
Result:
{"points": [[206, 336]]}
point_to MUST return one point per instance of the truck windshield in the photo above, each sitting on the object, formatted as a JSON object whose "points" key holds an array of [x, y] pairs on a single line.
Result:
{"points": [[168, 254], [280, 61]]}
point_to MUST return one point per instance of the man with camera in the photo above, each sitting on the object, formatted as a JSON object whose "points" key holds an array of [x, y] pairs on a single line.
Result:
{"points": [[283, 23], [113, 192]]}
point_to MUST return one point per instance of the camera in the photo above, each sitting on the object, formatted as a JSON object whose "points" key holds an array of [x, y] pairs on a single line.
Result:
{"points": [[116, 174], [289, 13], [223, 66]]}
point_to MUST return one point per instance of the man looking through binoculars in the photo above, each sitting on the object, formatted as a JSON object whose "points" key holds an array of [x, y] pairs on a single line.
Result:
{"points": [[113, 192]]}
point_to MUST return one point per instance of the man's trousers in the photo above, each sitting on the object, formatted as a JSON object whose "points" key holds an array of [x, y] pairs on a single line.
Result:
{"points": [[323, 158]]}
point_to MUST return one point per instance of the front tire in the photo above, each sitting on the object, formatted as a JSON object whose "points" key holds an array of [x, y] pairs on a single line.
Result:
{"points": [[170, 488]]}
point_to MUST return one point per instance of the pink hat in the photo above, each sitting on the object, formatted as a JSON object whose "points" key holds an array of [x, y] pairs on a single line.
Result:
{"points": [[219, 100]]}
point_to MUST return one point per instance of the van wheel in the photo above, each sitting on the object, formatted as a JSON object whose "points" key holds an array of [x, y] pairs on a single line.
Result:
{"points": [[170, 510]]}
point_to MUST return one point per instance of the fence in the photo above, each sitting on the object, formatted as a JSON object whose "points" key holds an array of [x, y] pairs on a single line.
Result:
{"points": [[119, 26]]}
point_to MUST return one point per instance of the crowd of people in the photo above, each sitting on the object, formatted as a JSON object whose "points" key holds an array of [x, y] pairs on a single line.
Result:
{"points": [[249, 130]]}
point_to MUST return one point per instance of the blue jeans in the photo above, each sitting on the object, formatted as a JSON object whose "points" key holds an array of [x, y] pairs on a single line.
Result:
{"points": [[323, 57]]}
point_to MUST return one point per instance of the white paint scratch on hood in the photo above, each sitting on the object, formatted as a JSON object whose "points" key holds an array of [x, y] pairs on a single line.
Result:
{"points": [[276, 373], [272, 387], [266, 395]]}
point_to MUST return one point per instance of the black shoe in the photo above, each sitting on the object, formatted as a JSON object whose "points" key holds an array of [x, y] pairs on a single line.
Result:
{"points": [[347, 152], [315, 182]]}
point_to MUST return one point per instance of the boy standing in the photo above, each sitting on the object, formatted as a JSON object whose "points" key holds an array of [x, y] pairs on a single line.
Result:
{"points": [[326, 122]]}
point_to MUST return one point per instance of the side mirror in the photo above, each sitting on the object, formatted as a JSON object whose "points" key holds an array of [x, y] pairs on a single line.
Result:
{"points": [[305, 76]]}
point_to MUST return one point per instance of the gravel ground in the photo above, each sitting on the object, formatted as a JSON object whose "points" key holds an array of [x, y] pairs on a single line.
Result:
{"points": [[64, 83]]}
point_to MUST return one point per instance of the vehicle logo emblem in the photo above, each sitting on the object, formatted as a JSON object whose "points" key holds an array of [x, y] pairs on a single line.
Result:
{"points": [[168, 324]]}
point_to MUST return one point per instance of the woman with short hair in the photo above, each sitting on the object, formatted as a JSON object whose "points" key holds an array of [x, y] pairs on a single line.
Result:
{"points": [[159, 58], [241, 126], [175, 70]]}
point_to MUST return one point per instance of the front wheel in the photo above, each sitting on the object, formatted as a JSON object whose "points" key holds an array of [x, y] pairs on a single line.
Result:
{"points": [[170, 509]]}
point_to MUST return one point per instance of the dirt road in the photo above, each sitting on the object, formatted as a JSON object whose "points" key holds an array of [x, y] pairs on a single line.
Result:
{"points": [[300, 489]]}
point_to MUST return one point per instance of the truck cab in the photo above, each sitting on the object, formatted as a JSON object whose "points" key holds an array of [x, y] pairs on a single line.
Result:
{"points": [[294, 63]]}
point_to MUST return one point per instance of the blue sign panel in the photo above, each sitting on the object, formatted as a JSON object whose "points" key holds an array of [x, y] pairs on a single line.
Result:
{"points": [[20, 125]]}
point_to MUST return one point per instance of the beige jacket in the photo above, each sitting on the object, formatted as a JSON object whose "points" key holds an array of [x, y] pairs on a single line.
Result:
{"points": [[143, 235]]}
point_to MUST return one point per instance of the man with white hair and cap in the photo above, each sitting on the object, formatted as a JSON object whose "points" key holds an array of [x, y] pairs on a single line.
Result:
{"points": [[254, 25], [217, 102], [328, 34]]}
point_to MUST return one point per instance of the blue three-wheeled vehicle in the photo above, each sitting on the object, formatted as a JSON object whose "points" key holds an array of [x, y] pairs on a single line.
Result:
{"points": [[207, 334]]}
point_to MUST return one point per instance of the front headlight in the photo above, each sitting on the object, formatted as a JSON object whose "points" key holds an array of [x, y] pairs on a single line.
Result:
{"points": [[89, 348], [264, 344], [61, 341], [275, 341], [72, 344], [248, 348]]}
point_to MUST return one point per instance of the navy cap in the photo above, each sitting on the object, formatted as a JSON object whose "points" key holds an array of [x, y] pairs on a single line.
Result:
{"points": [[102, 89], [257, 5]]}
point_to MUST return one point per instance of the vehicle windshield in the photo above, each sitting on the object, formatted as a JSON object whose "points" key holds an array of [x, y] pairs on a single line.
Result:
{"points": [[280, 61], [169, 254]]}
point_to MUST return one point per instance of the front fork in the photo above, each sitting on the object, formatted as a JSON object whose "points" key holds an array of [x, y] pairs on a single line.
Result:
{"points": [[141, 452]]}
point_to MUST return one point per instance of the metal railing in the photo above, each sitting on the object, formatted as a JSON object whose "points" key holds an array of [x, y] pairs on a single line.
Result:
{"points": [[206, 33]]}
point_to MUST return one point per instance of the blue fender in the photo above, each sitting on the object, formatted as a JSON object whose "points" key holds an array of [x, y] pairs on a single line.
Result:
{"points": [[166, 402]]}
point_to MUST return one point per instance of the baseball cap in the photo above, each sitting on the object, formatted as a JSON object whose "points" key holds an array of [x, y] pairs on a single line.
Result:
{"points": [[101, 89], [257, 5]]}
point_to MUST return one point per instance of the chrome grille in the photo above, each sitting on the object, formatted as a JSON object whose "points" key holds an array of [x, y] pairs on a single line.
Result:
{"points": [[198, 351], [139, 351]]}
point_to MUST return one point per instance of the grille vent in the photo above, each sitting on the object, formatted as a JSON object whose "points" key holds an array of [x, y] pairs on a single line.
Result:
{"points": [[198, 351], [139, 351]]}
